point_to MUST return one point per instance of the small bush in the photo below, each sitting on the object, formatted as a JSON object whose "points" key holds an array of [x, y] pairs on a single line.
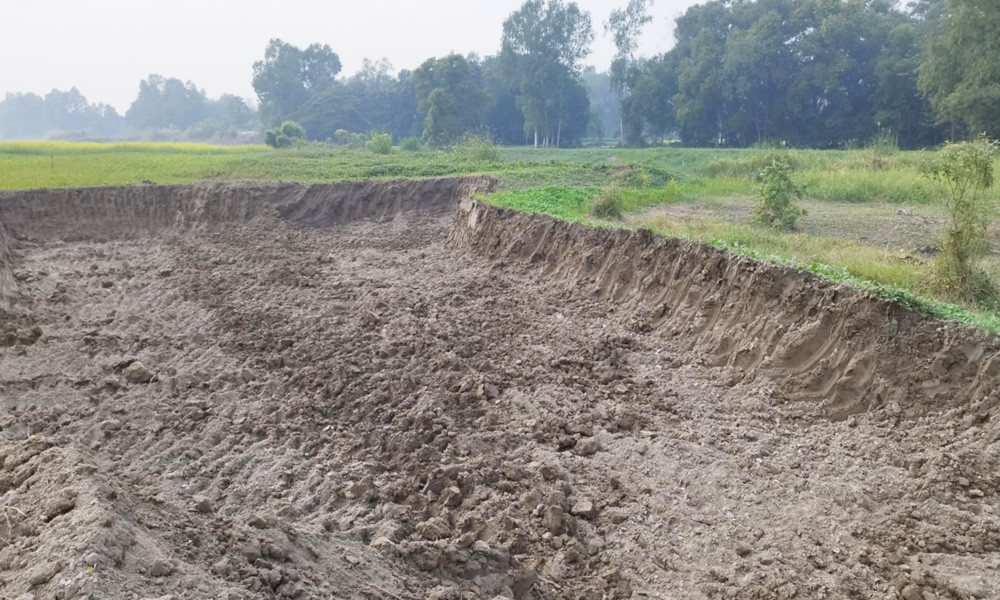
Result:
{"points": [[607, 205], [410, 144], [963, 173], [381, 143], [478, 147], [775, 207]]}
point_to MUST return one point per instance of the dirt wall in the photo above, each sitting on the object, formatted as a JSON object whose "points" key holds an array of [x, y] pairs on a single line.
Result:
{"points": [[123, 212], [6, 262], [837, 350]]}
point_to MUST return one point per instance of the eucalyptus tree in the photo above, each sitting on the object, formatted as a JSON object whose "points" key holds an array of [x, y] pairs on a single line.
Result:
{"points": [[625, 26], [544, 45]]}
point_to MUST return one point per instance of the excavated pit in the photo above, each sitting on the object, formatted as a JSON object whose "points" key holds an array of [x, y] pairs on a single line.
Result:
{"points": [[392, 390]]}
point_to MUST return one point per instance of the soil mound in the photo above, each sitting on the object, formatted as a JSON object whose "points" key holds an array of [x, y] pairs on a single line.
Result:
{"points": [[260, 391]]}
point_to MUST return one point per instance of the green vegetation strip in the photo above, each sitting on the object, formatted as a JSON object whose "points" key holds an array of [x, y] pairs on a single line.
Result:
{"points": [[573, 204]]}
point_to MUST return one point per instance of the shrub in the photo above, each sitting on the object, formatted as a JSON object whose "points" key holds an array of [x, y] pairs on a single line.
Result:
{"points": [[478, 147], [410, 144], [607, 204], [964, 172], [293, 130], [646, 176], [342, 137], [381, 143], [289, 134], [775, 207], [275, 139]]}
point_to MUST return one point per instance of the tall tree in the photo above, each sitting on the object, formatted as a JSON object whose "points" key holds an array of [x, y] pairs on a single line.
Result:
{"points": [[288, 77], [961, 69], [544, 44], [449, 97], [502, 116], [605, 105], [651, 100], [625, 25]]}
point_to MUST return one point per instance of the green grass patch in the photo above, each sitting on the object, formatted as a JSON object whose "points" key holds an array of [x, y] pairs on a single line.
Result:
{"points": [[567, 203]]}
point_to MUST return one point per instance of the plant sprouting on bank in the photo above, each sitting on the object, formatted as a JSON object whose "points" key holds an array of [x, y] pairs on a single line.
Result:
{"points": [[964, 172], [608, 204], [776, 195]]}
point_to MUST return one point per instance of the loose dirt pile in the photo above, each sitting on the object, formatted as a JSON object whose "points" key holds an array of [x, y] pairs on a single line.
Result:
{"points": [[368, 391]]}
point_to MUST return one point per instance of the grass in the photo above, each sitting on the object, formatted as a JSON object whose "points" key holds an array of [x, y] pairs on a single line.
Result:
{"points": [[869, 212]]}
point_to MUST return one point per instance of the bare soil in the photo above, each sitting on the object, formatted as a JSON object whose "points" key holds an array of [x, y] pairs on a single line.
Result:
{"points": [[387, 390]]}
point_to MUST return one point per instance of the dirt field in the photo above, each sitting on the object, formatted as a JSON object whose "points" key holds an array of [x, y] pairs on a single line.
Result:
{"points": [[386, 390]]}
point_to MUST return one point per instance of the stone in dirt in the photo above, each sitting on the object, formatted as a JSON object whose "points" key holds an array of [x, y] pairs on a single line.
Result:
{"points": [[452, 496], [160, 568], [434, 529], [584, 508], [587, 447], [58, 506], [43, 572], [202, 504], [552, 519], [138, 373]]}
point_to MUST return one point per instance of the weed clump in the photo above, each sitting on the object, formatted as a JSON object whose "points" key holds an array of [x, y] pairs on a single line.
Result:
{"points": [[963, 173], [607, 205], [775, 207], [478, 147]]}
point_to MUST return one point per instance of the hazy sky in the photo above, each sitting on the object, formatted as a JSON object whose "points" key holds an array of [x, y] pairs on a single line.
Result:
{"points": [[104, 47]]}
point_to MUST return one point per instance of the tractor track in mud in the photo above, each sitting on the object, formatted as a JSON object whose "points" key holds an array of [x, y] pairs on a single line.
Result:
{"points": [[389, 390]]}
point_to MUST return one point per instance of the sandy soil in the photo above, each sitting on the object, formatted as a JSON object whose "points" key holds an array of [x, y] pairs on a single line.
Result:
{"points": [[366, 392]]}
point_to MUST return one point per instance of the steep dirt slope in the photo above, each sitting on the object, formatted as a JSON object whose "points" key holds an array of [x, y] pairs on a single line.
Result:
{"points": [[322, 392]]}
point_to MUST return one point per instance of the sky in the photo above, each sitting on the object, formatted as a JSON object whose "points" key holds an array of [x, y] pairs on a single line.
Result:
{"points": [[105, 47]]}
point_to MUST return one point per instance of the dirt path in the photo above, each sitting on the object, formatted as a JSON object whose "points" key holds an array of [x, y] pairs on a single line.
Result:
{"points": [[369, 410]]}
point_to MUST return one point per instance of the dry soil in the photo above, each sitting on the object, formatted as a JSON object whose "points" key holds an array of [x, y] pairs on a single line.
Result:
{"points": [[388, 390]]}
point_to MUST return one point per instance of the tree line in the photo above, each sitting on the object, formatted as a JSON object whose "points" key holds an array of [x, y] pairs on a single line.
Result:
{"points": [[810, 73]]}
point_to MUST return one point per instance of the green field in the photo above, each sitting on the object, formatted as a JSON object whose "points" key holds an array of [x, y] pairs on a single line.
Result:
{"points": [[873, 220]]}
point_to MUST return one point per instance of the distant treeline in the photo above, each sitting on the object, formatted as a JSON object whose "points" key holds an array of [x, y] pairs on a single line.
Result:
{"points": [[164, 109], [811, 73]]}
